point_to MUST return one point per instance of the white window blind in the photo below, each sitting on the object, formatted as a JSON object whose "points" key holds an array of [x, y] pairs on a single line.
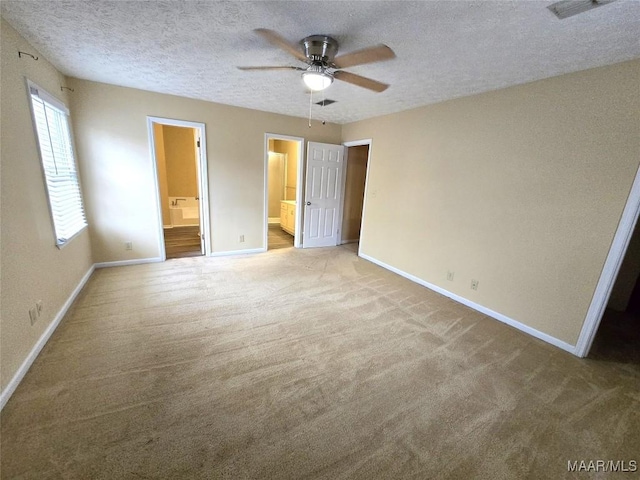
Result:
{"points": [[58, 162]]}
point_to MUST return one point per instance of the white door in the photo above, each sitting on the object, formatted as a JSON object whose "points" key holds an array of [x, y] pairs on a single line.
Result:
{"points": [[323, 191]]}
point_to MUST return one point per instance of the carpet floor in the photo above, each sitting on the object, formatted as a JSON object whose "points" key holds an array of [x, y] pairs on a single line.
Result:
{"points": [[309, 364]]}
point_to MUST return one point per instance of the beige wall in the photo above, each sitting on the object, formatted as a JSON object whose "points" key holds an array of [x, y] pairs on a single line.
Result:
{"points": [[163, 185], [521, 189], [113, 148], [276, 183], [290, 149], [354, 192], [292, 171], [33, 268], [278, 191], [180, 155]]}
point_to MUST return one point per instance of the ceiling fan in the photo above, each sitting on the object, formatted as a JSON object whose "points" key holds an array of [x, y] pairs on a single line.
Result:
{"points": [[319, 53]]}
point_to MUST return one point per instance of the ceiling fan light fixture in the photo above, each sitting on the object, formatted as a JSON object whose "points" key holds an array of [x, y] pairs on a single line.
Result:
{"points": [[317, 80]]}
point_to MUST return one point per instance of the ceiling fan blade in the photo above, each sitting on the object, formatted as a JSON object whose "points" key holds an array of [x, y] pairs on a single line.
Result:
{"points": [[360, 81], [378, 53], [281, 42], [270, 68]]}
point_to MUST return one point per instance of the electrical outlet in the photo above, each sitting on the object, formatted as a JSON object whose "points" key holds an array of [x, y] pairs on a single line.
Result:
{"points": [[33, 315], [241, 238], [39, 307], [474, 284], [450, 276], [128, 245]]}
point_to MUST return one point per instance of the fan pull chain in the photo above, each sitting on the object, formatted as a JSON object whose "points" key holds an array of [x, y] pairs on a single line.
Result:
{"points": [[310, 104]]}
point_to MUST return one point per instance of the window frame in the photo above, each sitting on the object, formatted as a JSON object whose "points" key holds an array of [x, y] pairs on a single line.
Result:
{"points": [[57, 104]]}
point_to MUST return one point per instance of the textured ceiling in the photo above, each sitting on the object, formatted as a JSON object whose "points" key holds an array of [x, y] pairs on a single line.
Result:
{"points": [[445, 49]]}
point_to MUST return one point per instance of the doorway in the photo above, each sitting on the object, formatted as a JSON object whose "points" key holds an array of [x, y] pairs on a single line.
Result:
{"points": [[610, 270], [618, 335], [357, 159], [357, 154], [283, 188], [181, 186]]}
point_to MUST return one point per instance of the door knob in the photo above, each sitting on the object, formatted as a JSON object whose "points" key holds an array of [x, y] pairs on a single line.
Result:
{"points": [[308, 203]]}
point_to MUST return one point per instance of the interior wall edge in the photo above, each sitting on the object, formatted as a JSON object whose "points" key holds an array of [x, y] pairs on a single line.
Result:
{"points": [[42, 341], [6, 393], [476, 306], [610, 270]]}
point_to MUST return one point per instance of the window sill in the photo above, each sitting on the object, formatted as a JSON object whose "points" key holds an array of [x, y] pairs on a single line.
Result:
{"points": [[61, 245]]}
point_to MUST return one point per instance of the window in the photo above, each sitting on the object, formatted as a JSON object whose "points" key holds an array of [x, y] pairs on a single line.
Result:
{"points": [[51, 120]]}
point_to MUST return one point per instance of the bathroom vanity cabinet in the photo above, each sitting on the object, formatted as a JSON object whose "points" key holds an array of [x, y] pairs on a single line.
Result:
{"points": [[288, 216]]}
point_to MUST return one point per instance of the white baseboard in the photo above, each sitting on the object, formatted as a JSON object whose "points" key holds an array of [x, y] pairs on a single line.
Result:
{"points": [[274, 220], [122, 263], [344, 242], [44, 338], [498, 316], [238, 252]]}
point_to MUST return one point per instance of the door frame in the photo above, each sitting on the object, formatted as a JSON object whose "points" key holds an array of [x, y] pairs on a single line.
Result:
{"points": [[297, 238], [203, 179], [610, 270], [355, 143]]}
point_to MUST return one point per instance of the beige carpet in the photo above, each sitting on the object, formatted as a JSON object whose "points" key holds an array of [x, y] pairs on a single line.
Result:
{"points": [[304, 364]]}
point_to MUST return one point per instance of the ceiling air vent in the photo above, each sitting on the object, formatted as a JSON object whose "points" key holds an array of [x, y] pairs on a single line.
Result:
{"points": [[326, 102], [569, 8]]}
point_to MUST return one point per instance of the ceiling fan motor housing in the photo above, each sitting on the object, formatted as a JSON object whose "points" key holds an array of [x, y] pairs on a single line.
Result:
{"points": [[320, 48]]}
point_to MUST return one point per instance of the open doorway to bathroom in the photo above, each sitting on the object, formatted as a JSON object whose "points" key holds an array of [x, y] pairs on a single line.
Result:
{"points": [[355, 181], [283, 178], [180, 164]]}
